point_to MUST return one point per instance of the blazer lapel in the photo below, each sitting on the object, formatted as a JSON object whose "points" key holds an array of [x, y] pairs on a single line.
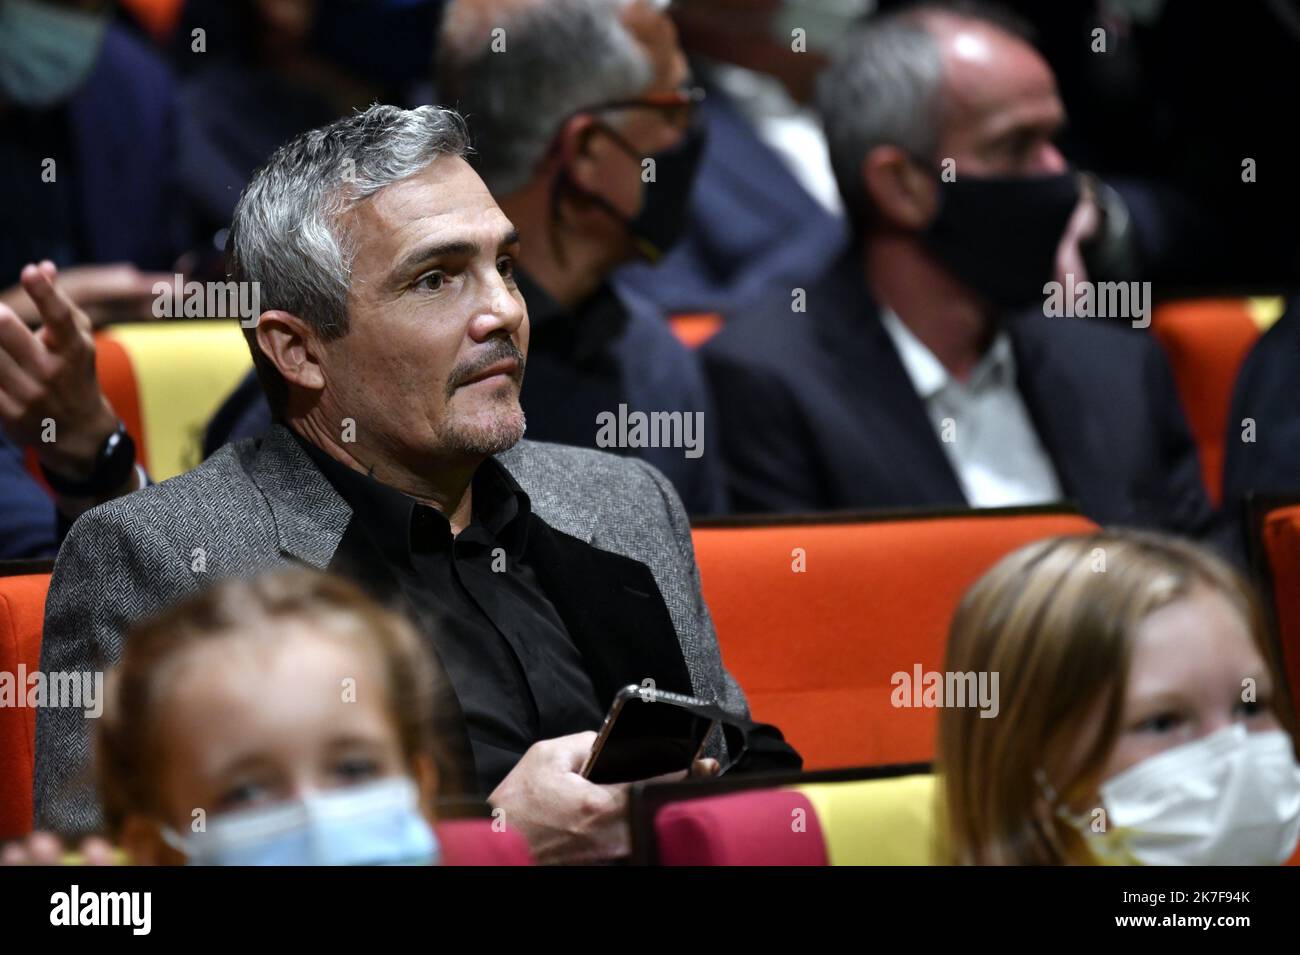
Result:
{"points": [[310, 516], [762, 180], [897, 427], [1061, 419], [613, 610], [547, 485]]}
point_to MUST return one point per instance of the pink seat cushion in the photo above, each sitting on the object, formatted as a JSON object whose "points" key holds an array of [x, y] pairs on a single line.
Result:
{"points": [[475, 842], [772, 827]]}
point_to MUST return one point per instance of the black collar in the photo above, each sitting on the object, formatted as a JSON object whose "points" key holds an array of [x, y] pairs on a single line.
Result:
{"points": [[399, 524]]}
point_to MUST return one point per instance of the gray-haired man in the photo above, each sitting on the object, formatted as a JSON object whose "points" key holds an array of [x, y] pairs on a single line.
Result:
{"points": [[392, 343], [592, 157]]}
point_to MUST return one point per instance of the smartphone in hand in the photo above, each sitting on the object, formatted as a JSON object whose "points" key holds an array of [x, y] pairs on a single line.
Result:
{"points": [[647, 733]]}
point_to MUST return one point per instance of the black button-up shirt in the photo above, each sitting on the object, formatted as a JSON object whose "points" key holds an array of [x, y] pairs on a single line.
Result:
{"points": [[508, 655]]}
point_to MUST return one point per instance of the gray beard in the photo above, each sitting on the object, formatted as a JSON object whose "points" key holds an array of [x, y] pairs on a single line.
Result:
{"points": [[501, 435]]}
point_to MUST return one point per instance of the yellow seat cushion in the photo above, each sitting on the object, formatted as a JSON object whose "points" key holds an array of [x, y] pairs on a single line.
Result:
{"points": [[183, 370], [878, 821]]}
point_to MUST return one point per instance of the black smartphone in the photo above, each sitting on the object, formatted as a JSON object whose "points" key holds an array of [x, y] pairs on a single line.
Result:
{"points": [[647, 733]]}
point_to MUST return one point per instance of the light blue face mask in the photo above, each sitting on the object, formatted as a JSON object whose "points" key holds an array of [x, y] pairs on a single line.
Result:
{"points": [[372, 824], [46, 52]]}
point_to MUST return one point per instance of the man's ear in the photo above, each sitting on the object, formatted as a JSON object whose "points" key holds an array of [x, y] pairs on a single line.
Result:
{"points": [[901, 192], [582, 150], [291, 345]]}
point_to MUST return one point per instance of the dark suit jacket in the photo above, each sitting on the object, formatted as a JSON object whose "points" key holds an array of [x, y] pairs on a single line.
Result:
{"points": [[1267, 391], [750, 223], [818, 413], [29, 526], [123, 126]]}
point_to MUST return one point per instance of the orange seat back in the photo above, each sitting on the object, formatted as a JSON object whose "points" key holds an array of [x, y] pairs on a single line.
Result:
{"points": [[117, 381], [814, 619], [695, 329], [22, 612], [159, 17], [1281, 539], [1206, 341]]}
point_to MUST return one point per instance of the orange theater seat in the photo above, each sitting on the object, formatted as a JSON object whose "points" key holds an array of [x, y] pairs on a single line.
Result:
{"points": [[694, 330], [22, 611], [1281, 539], [118, 382], [159, 17], [1206, 341], [815, 618]]}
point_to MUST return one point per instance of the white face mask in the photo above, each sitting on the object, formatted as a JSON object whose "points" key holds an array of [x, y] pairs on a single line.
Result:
{"points": [[1230, 798], [376, 823]]}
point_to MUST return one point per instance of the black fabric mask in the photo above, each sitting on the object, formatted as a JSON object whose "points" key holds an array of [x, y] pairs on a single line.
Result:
{"points": [[660, 223], [1000, 235]]}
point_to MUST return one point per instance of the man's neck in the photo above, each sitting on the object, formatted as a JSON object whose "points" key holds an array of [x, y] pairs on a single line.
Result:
{"points": [[446, 486], [569, 269], [946, 316]]}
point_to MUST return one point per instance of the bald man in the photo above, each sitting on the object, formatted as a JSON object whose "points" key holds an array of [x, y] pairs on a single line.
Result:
{"points": [[922, 369]]}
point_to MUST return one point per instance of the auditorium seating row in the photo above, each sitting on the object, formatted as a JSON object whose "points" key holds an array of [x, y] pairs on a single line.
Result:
{"points": [[167, 378], [1206, 340], [814, 615]]}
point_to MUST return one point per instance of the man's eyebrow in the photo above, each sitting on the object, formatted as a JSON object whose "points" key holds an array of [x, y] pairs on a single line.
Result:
{"points": [[1050, 129], [461, 248]]}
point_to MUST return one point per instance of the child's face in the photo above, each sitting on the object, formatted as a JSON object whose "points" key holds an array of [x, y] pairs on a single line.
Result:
{"points": [[247, 723], [1193, 662]]}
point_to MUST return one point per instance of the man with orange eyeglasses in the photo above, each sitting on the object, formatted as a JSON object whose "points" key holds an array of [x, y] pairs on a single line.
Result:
{"points": [[583, 124]]}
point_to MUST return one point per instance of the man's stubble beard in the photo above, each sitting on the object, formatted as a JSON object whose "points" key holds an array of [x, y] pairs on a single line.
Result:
{"points": [[502, 433], [506, 429]]}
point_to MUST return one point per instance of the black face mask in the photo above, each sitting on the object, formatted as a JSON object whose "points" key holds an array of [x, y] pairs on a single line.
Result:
{"points": [[999, 235], [662, 219]]}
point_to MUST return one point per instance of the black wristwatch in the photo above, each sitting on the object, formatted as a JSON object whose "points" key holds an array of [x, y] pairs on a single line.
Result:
{"points": [[113, 464]]}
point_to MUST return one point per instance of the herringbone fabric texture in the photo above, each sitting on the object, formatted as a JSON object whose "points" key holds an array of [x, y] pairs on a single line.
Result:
{"points": [[258, 504]]}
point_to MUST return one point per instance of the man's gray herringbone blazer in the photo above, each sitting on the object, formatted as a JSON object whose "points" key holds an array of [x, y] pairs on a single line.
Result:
{"points": [[260, 503]]}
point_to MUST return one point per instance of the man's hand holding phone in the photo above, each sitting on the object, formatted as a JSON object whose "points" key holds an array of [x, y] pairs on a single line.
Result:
{"points": [[564, 817]]}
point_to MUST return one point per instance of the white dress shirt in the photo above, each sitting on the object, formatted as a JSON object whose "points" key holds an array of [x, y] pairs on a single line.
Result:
{"points": [[982, 424], [789, 129]]}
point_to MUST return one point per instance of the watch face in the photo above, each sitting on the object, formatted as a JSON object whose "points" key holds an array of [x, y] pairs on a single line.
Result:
{"points": [[113, 466]]}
